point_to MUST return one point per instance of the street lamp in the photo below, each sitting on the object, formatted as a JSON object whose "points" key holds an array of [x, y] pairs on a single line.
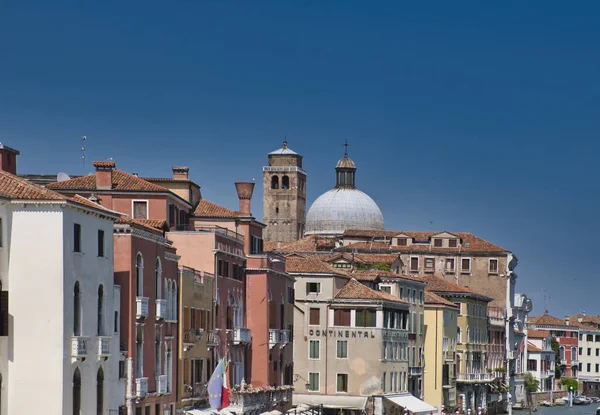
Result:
{"points": [[571, 396]]}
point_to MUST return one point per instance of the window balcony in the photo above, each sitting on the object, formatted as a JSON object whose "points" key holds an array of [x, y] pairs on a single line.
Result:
{"points": [[142, 307], [161, 309], [449, 356], [474, 377], [284, 338], [213, 339], [241, 335], [191, 337], [103, 346], [161, 384], [141, 387], [273, 338], [415, 371], [79, 347], [548, 373]]}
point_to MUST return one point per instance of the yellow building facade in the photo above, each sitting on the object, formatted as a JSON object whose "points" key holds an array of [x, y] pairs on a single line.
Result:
{"points": [[440, 351]]}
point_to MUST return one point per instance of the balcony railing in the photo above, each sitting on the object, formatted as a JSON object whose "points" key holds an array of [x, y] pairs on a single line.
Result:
{"points": [[211, 229], [161, 309], [273, 337], [79, 346], [548, 373], [284, 337], [194, 392], [161, 384], [450, 356], [213, 339], [241, 335], [415, 370], [191, 337], [142, 307], [261, 400], [474, 377], [141, 387], [104, 346]]}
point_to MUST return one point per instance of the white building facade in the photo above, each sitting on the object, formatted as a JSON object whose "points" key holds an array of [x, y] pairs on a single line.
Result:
{"points": [[56, 264]]}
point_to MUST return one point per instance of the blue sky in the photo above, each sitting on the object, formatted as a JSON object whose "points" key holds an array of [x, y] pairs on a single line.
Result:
{"points": [[461, 116]]}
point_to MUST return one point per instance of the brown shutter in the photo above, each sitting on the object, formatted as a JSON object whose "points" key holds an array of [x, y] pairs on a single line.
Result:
{"points": [[3, 313], [198, 324], [186, 371], [186, 318], [315, 317]]}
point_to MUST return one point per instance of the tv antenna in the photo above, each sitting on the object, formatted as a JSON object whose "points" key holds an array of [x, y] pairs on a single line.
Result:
{"points": [[83, 138]]}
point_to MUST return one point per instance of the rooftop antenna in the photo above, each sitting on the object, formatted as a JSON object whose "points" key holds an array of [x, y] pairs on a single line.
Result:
{"points": [[83, 138]]}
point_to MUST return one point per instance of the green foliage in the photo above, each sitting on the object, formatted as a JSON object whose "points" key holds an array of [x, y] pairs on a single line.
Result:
{"points": [[556, 349], [568, 383], [531, 384], [361, 266], [383, 267]]}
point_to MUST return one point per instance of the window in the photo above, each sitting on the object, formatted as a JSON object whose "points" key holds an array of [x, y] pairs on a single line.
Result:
{"points": [[383, 382], [597, 352], [77, 310], [140, 210], [116, 322], [597, 367], [291, 295], [100, 243], [532, 364], [429, 264], [341, 318], [414, 264], [365, 318], [401, 241], [256, 245], [386, 289], [449, 264], [465, 264], [285, 182], [313, 287], [342, 382], [459, 308], [589, 367], [452, 243], [275, 182], [437, 243], [121, 369], [315, 317], [100, 392], [3, 312], [589, 350], [100, 328], [590, 337], [1, 232], [313, 382], [342, 349], [493, 266], [139, 276], [76, 237]]}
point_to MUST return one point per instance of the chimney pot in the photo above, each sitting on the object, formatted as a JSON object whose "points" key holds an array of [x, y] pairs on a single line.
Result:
{"points": [[181, 173], [8, 159], [244, 191], [104, 171]]}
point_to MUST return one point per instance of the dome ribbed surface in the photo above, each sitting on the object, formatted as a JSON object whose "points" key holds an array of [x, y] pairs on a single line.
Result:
{"points": [[345, 163], [338, 210]]}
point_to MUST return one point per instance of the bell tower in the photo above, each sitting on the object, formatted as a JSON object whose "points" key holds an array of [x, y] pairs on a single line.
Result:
{"points": [[284, 196]]}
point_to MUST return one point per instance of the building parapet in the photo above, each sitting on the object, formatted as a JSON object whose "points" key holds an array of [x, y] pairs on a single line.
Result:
{"points": [[283, 169], [474, 377], [219, 230], [262, 400]]}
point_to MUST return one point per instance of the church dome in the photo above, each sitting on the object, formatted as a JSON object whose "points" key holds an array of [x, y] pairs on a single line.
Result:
{"points": [[341, 209], [344, 207]]}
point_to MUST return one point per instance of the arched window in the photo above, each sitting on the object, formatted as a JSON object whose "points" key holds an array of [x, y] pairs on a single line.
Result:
{"points": [[562, 352], [100, 392], [139, 352], [157, 351], [158, 275], [77, 310], [458, 335], [77, 392], [285, 182], [174, 301], [275, 182], [139, 276], [168, 292], [573, 353], [100, 328]]}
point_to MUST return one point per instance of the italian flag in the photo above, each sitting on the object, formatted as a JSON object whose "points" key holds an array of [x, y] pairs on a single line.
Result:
{"points": [[225, 392]]}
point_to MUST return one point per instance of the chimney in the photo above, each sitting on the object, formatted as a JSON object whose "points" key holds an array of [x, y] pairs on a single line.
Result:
{"points": [[8, 159], [104, 171], [181, 173], [244, 191]]}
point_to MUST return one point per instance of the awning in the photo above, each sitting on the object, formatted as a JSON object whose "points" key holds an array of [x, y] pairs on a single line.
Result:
{"points": [[331, 401], [414, 405]]}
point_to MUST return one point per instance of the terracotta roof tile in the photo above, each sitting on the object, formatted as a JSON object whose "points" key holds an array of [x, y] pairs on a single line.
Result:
{"points": [[377, 258], [354, 290], [105, 164], [138, 224], [431, 298], [438, 285], [537, 334], [546, 320], [14, 187], [206, 209], [82, 200], [311, 265], [311, 243], [373, 275], [120, 181], [154, 223], [470, 242], [533, 348]]}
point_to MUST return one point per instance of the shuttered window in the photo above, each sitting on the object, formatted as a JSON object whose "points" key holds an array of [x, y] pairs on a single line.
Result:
{"points": [[365, 318], [341, 318], [315, 317], [3, 313], [140, 210]]}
